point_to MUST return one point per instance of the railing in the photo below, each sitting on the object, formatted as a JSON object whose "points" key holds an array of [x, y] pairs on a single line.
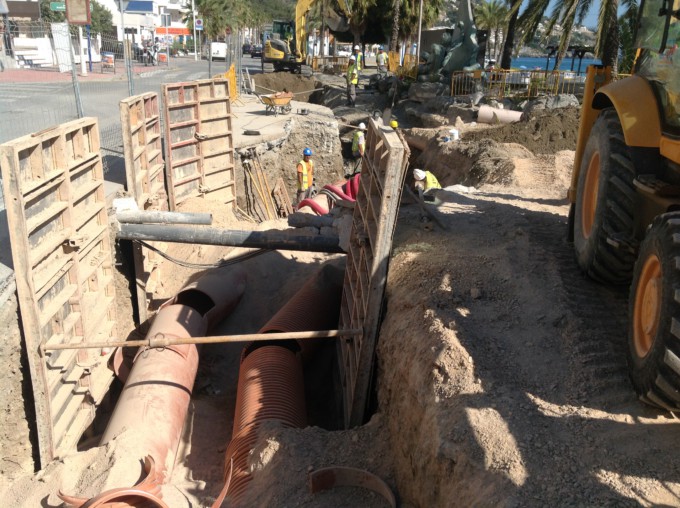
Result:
{"points": [[520, 84]]}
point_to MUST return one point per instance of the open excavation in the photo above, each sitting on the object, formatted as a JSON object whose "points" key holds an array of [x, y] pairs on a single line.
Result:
{"points": [[368, 349]]}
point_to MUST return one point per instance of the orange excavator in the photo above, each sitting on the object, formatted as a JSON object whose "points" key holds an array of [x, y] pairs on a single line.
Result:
{"points": [[625, 197]]}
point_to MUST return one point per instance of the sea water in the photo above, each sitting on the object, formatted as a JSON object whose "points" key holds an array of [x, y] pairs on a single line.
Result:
{"points": [[565, 65]]}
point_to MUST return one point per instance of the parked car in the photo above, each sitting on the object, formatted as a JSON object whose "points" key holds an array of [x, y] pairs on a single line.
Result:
{"points": [[256, 51], [247, 48]]}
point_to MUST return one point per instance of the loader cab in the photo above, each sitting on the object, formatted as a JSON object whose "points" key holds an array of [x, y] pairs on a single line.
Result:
{"points": [[658, 59]]}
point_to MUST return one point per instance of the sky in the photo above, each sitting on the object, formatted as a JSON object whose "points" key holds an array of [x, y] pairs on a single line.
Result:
{"points": [[591, 18]]}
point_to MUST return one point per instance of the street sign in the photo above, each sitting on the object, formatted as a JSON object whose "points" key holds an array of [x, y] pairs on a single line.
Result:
{"points": [[198, 24], [58, 6]]}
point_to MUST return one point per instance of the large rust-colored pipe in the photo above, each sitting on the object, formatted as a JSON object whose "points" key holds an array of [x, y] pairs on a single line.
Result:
{"points": [[270, 385], [153, 405]]}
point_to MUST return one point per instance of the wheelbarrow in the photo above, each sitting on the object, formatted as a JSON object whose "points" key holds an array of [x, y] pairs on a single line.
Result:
{"points": [[277, 103]]}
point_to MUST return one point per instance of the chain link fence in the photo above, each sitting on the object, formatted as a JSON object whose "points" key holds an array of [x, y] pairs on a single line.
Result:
{"points": [[56, 72]]}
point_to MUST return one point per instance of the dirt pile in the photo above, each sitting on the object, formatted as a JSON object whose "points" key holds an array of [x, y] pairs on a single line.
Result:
{"points": [[544, 132], [271, 82]]}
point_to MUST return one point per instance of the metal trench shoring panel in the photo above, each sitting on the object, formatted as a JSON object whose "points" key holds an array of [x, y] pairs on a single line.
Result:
{"points": [[375, 216], [145, 174], [62, 255], [199, 141]]}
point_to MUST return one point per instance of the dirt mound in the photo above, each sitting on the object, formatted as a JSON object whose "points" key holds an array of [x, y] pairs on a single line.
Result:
{"points": [[267, 83], [545, 131]]}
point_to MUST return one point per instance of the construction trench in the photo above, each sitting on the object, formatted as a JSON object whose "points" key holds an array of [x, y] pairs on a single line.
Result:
{"points": [[493, 379], [310, 363]]}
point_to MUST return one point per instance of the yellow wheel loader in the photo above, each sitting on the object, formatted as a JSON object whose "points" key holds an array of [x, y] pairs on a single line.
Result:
{"points": [[625, 197]]}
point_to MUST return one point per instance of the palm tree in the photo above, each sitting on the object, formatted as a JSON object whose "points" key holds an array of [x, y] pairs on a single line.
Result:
{"points": [[568, 12], [627, 24], [509, 45], [491, 15]]}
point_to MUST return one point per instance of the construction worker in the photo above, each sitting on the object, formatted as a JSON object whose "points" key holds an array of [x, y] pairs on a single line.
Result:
{"points": [[425, 184], [360, 58], [382, 61], [352, 78], [305, 175], [359, 141]]}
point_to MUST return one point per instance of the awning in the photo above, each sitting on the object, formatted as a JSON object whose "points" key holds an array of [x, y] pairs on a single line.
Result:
{"points": [[169, 30], [140, 7]]}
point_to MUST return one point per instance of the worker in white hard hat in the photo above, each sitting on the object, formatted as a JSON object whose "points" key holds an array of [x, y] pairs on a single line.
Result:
{"points": [[360, 58], [359, 141], [425, 183], [352, 78]]}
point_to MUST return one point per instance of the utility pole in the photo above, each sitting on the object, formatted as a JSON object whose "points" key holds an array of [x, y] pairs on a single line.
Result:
{"points": [[193, 15]]}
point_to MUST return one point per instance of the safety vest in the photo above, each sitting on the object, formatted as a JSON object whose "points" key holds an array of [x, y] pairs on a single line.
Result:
{"points": [[352, 74], [307, 170], [359, 140], [431, 181], [360, 60], [382, 59]]}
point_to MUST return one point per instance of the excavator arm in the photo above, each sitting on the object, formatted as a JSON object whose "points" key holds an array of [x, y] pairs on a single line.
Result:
{"points": [[302, 8]]}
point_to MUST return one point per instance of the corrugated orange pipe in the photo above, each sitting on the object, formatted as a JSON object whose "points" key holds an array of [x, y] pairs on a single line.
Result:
{"points": [[270, 385]]}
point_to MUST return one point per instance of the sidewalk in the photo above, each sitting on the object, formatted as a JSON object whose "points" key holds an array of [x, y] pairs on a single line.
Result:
{"points": [[50, 75]]}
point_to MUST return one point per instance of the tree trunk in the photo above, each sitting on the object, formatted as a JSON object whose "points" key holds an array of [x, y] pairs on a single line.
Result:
{"points": [[509, 46], [610, 48], [395, 25]]}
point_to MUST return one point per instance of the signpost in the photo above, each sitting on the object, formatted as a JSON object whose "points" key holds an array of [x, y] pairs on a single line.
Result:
{"points": [[199, 24]]}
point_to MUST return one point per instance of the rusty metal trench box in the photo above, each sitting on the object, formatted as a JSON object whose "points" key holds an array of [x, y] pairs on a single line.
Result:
{"points": [[63, 254]]}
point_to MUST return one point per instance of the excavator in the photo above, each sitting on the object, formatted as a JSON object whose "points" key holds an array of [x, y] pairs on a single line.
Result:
{"points": [[285, 43], [624, 219]]}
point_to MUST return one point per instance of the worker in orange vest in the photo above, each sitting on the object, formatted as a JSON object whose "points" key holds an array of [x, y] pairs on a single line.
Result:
{"points": [[305, 175]]}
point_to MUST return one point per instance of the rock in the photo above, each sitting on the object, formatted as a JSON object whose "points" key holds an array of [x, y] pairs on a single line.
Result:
{"points": [[420, 92], [433, 120], [457, 112], [556, 102]]}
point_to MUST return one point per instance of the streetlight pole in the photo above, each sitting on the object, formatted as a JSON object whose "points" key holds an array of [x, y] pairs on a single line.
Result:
{"points": [[193, 15], [420, 25], [126, 53]]}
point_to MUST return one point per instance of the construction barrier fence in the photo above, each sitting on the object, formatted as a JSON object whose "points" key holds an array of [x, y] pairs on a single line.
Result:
{"points": [[519, 84]]}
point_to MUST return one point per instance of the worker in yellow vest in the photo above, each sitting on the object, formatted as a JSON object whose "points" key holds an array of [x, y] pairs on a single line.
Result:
{"points": [[305, 175], [352, 78], [360, 58], [426, 183], [359, 141], [382, 61]]}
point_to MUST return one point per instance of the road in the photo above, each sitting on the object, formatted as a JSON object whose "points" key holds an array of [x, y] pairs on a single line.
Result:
{"points": [[49, 99]]}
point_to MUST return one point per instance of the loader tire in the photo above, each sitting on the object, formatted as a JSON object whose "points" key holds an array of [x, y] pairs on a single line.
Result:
{"points": [[654, 316], [605, 203]]}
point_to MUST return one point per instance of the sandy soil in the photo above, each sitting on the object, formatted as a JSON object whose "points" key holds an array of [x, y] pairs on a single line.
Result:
{"points": [[501, 369]]}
